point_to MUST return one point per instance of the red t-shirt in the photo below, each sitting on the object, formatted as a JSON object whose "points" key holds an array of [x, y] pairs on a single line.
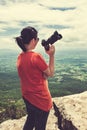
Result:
{"points": [[34, 86]]}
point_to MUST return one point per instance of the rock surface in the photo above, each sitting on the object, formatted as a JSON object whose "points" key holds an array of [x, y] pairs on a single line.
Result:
{"points": [[18, 124], [71, 112]]}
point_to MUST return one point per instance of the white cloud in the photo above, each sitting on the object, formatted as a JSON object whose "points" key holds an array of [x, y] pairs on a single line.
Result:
{"points": [[7, 43], [41, 14]]}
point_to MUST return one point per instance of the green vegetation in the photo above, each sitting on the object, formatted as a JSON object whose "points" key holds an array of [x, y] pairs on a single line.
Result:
{"points": [[70, 78]]}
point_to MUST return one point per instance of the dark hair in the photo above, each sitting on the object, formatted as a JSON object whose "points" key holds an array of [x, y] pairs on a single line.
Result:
{"points": [[27, 34]]}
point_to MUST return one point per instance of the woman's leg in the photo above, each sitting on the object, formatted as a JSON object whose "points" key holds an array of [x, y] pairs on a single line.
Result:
{"points": [[30, 121], [41, 119], [36, 117]]}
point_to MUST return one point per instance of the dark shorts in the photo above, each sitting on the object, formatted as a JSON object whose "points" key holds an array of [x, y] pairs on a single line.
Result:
{"points": [[36, 118]]}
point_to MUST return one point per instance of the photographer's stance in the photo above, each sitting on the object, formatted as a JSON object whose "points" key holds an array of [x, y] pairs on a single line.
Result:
{"points": [[33, 70]]}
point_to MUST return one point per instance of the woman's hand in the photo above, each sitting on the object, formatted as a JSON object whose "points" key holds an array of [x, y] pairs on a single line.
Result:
{"points": [[51, 50]]}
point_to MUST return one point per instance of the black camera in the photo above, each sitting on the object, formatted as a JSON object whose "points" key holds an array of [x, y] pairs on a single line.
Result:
{"points": [[51, 40]]}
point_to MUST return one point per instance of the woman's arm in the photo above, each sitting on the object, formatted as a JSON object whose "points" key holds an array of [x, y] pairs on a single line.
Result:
{"points": [[49, 72]]}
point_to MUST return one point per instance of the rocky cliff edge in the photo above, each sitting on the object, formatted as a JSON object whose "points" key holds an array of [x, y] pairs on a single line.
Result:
{"points": [[71, 114]]}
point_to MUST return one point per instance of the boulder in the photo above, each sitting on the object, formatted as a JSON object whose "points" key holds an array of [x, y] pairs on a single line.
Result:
{"points": [[72, 111]]}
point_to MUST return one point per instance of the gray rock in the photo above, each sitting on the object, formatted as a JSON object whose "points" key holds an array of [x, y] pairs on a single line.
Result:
{"points": [[72, 111]]}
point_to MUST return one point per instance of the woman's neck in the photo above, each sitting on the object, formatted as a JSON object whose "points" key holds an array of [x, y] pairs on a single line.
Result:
{"points": [[29, 50]]}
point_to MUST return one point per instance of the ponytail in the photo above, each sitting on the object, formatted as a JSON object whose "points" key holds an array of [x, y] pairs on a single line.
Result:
{"points": [[20, 43]]}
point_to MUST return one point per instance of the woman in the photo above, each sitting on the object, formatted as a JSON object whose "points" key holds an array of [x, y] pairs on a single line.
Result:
{"points": [[33, 72]]}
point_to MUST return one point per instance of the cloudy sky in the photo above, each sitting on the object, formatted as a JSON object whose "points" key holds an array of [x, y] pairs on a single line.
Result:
{"points": [[67, 17]]}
